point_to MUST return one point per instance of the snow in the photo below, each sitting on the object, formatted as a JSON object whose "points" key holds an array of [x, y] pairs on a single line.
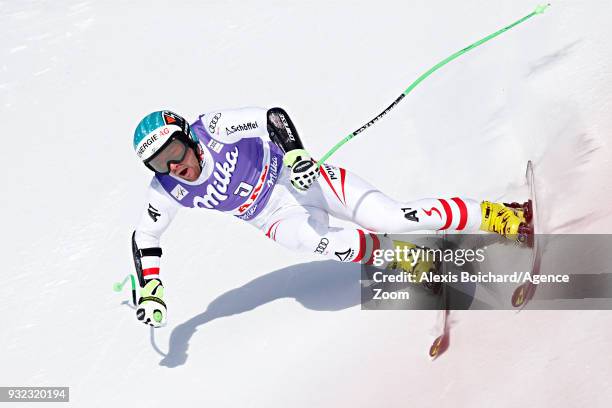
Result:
{"points": [[252, 324]]}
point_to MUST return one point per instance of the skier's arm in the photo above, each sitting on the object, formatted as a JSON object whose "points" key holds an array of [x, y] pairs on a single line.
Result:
{"points": [[282, 131], [158, 213], [231, 125], [284, 134]]}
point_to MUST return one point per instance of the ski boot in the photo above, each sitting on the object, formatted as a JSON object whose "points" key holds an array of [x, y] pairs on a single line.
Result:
{"points": [[524, 210], [511, 220], [417, 269]]}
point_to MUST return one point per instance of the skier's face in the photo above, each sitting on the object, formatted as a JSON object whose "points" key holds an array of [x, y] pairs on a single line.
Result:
{"points": [[189, 169]]}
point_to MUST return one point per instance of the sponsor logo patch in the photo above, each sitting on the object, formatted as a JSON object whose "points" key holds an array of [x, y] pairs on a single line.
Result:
{"points": [[290, 137], [330, 171], [216, 192], [410, 214], [153, 213], [215, 146], [322, 246], [179, 192], [244, 126], [145, 144], [335, 177], [273, 171], [212, 125], [154, 140], [247, 215], [255, 192], [170, 118], [344, 256], [243, 189]]}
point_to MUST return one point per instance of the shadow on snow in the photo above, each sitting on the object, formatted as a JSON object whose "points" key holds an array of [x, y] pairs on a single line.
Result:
{"points": [[321, 285]]}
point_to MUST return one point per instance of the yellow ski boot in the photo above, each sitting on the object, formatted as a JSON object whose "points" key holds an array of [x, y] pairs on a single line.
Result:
{"points": [[416, 261], [508, 220]]}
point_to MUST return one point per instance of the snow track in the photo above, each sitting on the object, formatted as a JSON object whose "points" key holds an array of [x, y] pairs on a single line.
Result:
{"points": [[251, 324]]}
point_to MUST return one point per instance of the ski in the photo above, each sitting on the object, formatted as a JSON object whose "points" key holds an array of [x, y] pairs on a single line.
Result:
{"points": [[524, 293], [441, 343]]}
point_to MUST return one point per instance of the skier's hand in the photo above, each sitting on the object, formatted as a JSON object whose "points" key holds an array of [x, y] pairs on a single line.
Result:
{"points": [[151, 308], [304, 171]]}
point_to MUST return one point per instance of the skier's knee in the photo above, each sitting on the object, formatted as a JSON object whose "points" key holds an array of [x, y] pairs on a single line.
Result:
{"points": [[383, 226], [309, 239]]}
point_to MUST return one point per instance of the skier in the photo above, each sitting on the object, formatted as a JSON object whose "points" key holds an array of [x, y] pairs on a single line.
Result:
{"points": [[251, 163]]}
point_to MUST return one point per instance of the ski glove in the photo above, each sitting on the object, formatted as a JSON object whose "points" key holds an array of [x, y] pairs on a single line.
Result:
{"points": [[151, 309], [304, 171]]}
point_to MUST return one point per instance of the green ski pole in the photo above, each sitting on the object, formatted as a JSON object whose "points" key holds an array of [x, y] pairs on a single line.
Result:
{"points": [[538, 10], [118, 286]]}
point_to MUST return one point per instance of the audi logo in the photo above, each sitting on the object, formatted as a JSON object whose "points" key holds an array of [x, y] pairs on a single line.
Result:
{"points": [[213, 122], [322, 246]]}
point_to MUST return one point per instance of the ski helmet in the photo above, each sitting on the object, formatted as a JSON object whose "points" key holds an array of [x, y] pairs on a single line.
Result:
{"points": [[156, 130]]}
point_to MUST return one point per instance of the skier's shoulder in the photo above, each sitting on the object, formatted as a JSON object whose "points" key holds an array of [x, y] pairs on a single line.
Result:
{"points": [[230, 124], [227, 115], [160, 194]]}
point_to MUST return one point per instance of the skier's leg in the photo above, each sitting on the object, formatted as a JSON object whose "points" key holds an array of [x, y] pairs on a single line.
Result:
{"points": [[301, 222], [351, 198], [306, 229]]}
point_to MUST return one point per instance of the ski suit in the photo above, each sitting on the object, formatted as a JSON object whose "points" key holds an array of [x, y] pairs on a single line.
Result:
{"points": [[243, 175]]}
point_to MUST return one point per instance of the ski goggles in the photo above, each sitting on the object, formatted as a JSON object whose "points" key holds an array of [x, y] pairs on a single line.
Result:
{"points": [[173, 151]]}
